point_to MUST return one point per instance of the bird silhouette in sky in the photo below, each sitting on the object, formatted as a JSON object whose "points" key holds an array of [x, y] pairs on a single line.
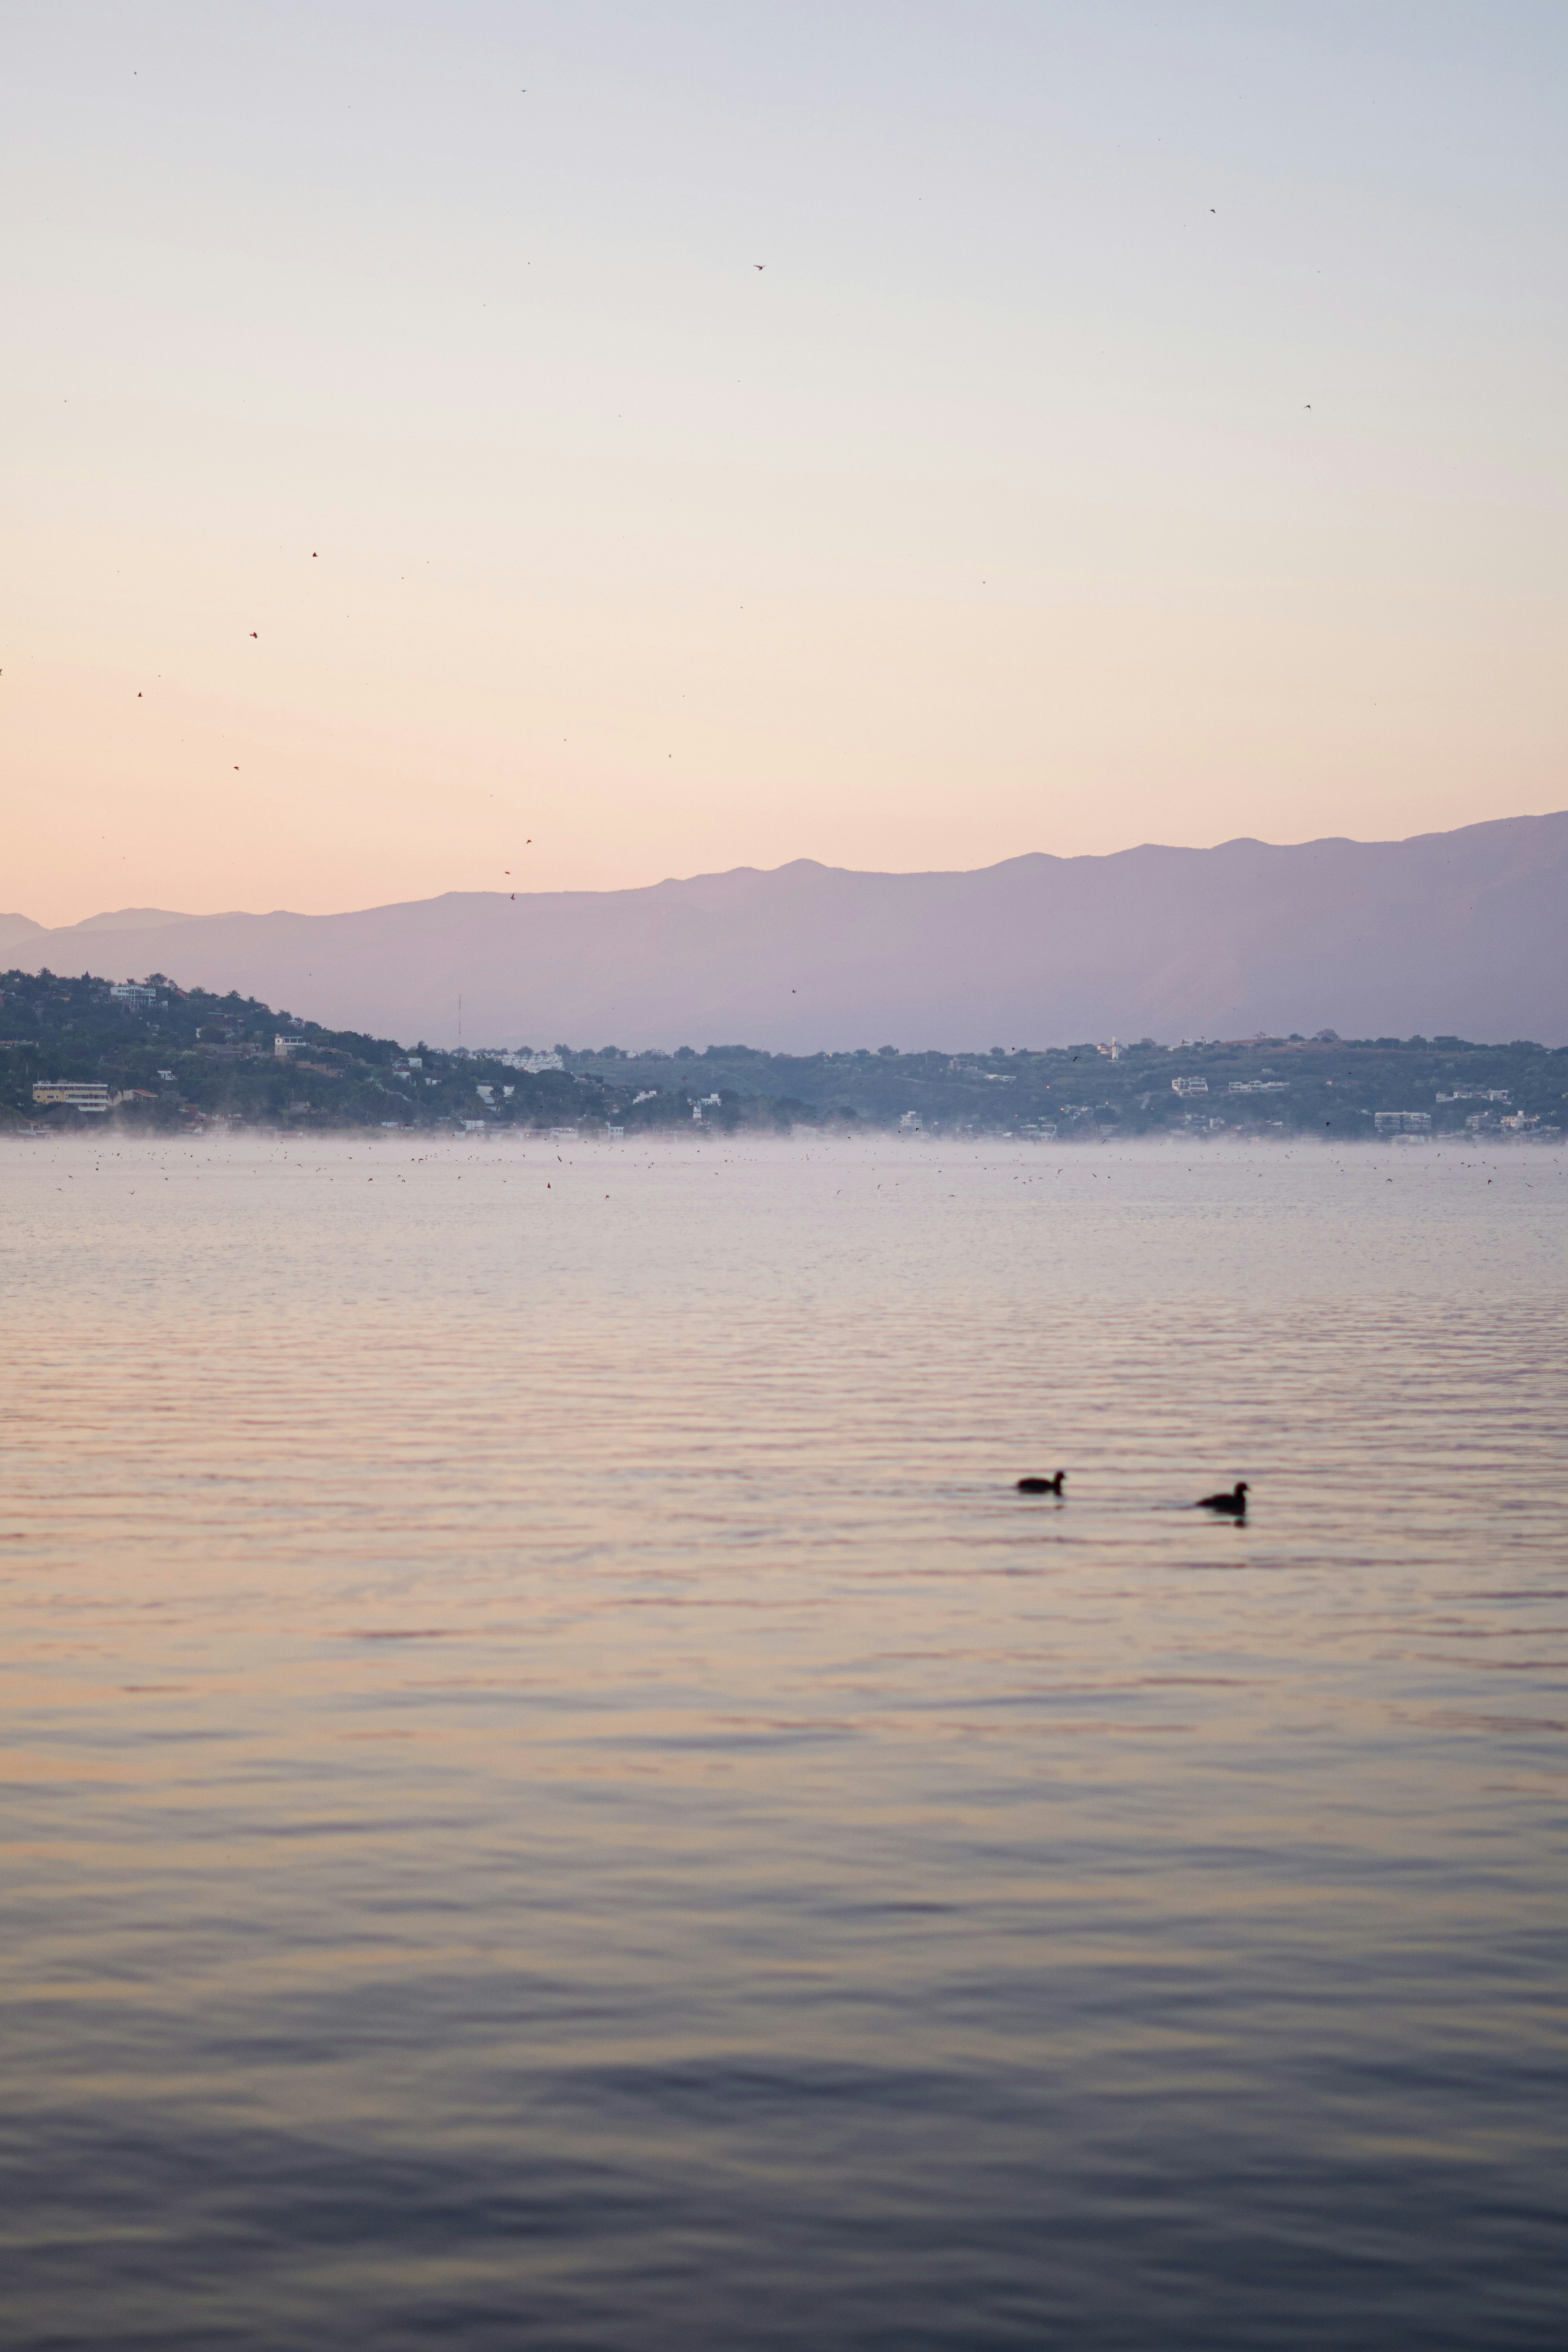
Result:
{"points": [[759, 264]]}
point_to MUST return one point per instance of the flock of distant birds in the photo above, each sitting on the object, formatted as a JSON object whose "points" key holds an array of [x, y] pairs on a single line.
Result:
{"points": [[1230, 1505]]}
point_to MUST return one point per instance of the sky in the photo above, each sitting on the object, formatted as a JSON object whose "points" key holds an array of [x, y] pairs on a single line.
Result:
{"points": [[465, 446]]}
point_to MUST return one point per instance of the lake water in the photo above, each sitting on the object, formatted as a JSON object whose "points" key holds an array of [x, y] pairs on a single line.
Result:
{"points": [[556, 1796]]}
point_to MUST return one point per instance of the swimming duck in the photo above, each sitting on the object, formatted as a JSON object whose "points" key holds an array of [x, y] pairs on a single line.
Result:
{"points": [[1041, 1485], [1234, 1503]]}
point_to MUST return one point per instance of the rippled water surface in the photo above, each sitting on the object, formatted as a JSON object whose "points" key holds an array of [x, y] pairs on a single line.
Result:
{"points": [[553, 1794]]}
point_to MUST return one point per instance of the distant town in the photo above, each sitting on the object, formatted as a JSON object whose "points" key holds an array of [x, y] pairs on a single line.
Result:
{"points": [[147, 1054]]}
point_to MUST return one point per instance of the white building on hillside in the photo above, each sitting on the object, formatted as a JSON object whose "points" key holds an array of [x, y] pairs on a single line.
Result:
{"points": [[77, 1094]]}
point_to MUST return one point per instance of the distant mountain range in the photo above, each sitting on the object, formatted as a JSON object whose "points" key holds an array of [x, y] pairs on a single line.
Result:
{"points": [[1461, 933]]}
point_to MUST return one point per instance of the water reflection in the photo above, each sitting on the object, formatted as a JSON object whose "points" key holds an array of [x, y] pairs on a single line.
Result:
{"points": [[557, 1793]]}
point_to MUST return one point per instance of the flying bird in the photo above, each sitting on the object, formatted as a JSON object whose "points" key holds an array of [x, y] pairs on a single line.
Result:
{"points": [[759, 264]]}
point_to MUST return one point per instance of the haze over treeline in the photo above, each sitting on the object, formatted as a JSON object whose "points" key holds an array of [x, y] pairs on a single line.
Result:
{"points": [[85, 1055]]}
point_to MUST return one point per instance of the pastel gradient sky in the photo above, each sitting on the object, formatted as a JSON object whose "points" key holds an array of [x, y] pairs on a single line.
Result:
{"points": [[1148, 424]]}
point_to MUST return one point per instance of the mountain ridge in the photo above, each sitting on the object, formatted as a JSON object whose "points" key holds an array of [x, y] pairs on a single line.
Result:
{"points": [[1456, 932]]}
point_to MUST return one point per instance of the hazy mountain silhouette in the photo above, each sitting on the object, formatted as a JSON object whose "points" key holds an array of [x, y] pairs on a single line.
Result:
{"points": [[1460, 933], [13, 928]]}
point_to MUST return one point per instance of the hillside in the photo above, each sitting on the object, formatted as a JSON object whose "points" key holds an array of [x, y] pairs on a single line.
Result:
{"points": [[171, 1059], [1459, 932]]}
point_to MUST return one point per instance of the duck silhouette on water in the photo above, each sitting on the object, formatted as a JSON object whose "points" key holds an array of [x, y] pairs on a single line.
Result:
{"points": [[1041, 1485], [1233, 1506]]}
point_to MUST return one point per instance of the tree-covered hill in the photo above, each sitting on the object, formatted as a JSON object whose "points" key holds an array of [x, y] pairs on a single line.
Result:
{"points": [[173, 1058], [1323, 1086]]}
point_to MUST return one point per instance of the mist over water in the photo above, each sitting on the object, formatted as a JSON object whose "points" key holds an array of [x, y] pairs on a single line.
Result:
{"points": [[555, 1795]]}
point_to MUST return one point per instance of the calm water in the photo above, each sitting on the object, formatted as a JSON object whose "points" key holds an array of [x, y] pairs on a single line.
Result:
{"points": [[555, 1797]]}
